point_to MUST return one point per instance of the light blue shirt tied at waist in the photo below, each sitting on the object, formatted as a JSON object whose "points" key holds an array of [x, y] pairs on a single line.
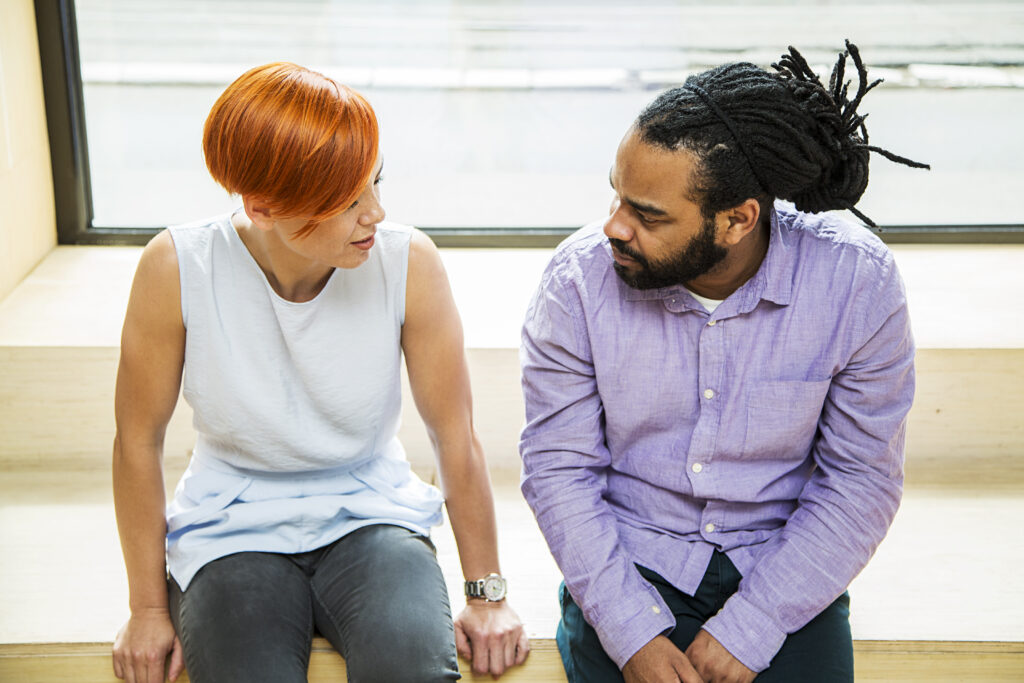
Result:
{"points": [[771, 429], [296, 404]]}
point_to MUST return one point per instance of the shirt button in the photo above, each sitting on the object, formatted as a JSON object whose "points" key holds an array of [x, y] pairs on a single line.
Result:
{"points": [[655, 609], [712, 323], [709, 528], [697, 467], [708, 394]]}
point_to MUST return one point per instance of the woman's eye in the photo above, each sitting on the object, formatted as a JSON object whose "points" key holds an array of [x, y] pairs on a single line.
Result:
{"points": [[377, 181]]}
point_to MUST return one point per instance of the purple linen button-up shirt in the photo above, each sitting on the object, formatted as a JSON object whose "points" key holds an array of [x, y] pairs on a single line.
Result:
{"points": [[771, 429]]}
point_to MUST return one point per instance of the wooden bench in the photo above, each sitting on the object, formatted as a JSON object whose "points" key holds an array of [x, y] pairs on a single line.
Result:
{"points": [[917, 613]]}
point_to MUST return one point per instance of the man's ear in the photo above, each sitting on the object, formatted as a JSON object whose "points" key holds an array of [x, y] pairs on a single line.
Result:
{"points": [[736, 223], [258, 212]]}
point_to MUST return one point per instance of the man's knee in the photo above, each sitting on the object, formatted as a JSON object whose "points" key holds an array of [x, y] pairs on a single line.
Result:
{"points": [[820, 651]]}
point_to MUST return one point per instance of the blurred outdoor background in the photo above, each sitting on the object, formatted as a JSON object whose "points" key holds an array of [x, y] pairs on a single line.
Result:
{"points": [[508, 113]]}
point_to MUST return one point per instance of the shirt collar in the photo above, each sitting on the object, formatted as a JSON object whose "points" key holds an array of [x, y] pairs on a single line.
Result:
{"points": [[773, 281]]}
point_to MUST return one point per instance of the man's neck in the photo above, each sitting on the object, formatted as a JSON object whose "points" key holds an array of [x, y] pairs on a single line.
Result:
{"points": [[742, 263]]}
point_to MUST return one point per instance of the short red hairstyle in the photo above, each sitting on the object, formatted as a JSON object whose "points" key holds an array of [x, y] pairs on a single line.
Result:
{"points": [[297, 140]]}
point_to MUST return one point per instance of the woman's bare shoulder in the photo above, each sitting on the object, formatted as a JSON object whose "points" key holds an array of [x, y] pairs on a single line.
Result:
{"points": [[156, 293]]}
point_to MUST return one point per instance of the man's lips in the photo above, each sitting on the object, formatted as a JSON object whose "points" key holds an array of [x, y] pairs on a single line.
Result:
{"points": [[622, 258]]}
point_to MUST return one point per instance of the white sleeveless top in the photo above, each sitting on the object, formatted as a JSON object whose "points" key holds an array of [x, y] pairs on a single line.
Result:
{"points": [[296, 405]]}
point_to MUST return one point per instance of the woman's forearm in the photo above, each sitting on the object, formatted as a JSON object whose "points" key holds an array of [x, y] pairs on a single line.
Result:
{"points": [[139, 502], [470, 502]]}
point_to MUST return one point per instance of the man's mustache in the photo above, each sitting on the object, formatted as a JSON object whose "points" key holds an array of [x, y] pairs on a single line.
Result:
{"points": [[622, 248]]}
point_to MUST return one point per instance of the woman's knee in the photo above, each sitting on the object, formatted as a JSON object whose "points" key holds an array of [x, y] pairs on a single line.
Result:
{"points": [[380, 598], [399, 668], [244, 617]]}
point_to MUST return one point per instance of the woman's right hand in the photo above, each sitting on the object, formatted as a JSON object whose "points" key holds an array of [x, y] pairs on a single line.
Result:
{"points": [[141, 648]]}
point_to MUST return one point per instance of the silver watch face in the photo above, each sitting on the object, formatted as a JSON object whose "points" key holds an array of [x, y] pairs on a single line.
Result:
{"points": [[494, 588]]}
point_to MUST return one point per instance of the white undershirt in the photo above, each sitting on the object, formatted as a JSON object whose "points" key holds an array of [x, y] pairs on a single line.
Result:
{"points": [[709, 304]]}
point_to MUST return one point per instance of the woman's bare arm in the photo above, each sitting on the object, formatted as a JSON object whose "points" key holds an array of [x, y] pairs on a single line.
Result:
{"points": [[490, 634], [148, 381]]}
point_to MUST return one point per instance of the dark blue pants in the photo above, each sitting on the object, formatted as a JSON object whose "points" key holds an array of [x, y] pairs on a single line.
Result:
{"points": [[377, 595], [820, 652]]}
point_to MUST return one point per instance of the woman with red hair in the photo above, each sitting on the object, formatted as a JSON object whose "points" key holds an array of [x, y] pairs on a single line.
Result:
{"points": [[284, 324]]}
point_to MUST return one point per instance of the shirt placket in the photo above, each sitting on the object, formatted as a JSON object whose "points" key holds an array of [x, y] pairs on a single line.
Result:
{"points": [[713, 391]]}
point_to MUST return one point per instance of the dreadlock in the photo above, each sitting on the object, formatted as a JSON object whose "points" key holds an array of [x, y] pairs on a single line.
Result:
{"points": [[765, 135]]}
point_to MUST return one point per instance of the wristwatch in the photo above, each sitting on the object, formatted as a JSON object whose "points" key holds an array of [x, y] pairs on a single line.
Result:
{"points": [[491, 588]]}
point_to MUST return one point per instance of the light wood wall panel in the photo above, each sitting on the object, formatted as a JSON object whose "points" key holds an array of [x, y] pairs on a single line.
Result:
{"points": [[56, 407], [27, 222]]}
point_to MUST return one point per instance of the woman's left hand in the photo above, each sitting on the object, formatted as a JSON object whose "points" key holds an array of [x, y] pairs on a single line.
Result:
{"points": [[491, 637]]}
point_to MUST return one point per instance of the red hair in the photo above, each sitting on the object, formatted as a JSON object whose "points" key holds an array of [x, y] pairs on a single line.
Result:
{"points": [[300, 142]]}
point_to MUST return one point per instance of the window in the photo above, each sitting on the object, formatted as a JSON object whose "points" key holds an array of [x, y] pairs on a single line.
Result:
{"points": [[502, 118]]}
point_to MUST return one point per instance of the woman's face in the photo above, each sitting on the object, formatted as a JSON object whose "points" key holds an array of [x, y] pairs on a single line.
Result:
{"points": [[345, 239]]}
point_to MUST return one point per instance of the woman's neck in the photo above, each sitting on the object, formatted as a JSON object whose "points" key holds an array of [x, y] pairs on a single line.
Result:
{"points": [[292, 276]]}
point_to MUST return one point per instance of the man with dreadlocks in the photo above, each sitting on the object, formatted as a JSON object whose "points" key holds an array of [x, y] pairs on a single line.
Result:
{"points": [[716, 388]]}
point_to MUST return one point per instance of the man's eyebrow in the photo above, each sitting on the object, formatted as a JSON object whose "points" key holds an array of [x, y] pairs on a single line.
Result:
{"points": [[645, 208], [638, 206]]}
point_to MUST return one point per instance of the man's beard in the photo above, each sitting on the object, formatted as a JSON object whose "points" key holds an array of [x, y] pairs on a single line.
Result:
{"points": [[698, 257]]}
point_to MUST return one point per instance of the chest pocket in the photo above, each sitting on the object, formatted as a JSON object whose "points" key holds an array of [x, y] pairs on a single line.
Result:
{"points": [[782, 419]]}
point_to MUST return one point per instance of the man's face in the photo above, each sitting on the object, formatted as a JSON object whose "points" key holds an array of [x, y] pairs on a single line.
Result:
{"points": [[658, 236]]}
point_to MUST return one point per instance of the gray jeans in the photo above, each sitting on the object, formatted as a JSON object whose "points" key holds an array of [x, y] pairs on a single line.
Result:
{"points": [[377, 595]]}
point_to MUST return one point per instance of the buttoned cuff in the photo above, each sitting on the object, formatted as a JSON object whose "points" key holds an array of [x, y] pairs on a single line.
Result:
{"points": [[635, 623], [749, 634]]}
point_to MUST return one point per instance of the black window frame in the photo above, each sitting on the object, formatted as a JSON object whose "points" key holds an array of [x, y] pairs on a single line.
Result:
{"points": [[69, 154]]}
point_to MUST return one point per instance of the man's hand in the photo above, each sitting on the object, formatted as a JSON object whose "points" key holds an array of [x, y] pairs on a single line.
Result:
{"points": [[716, 664], [491, 637], [142, 646], [660, 661]]}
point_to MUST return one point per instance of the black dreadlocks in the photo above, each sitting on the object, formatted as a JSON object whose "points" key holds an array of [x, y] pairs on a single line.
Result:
{"points": [[765, 135]]}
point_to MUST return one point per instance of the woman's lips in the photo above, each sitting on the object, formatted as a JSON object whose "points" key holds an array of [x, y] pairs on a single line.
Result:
{"points": [[364, 244]]}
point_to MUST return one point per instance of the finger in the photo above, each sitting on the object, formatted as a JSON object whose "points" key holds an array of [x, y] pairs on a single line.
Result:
{"points": [[177, 661], [481, 658], [497, 656], [509, 646], [522, 647], [462, 644], [511, 643], [118, 667], [686, 672], [154, 670]]}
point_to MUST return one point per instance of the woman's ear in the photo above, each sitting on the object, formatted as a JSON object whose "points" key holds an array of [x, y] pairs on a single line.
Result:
{"points": [[258, 212], [739, 221]]}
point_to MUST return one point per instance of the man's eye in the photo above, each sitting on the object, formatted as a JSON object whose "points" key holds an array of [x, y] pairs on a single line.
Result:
{"points": [[379, 180]]}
